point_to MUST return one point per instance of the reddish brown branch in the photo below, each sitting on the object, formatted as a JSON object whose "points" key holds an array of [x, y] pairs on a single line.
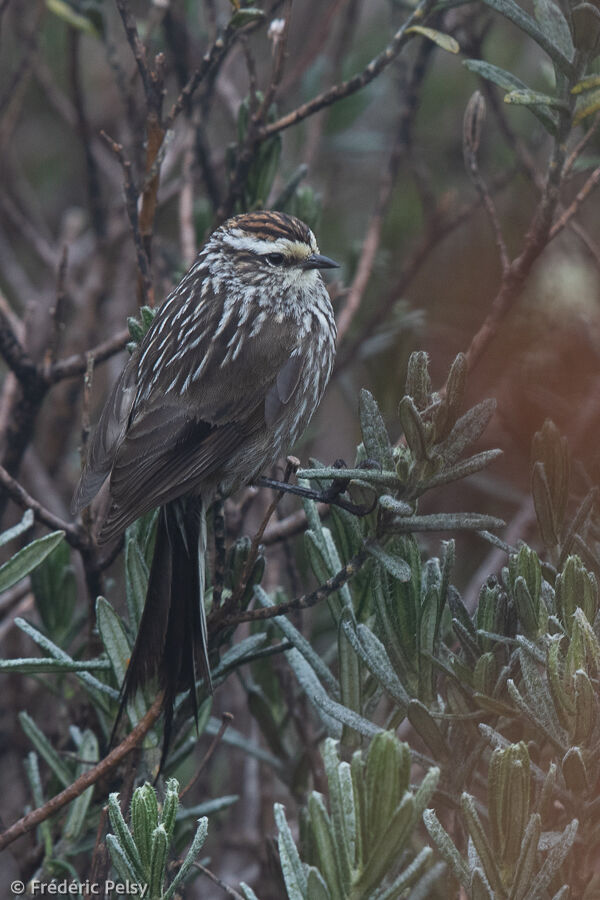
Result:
{"points": [[92, 776]]}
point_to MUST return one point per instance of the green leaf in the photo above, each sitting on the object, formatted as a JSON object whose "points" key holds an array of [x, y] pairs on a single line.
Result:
{"points": [[350, 679], [414, 428], [98, 689], [446, 847], [526, 862], [424, 723], [375, 657], [39, 665], [87, 752], [555, 26], [395, 565], [534, 98], [418, 382], [510, 10], [158, 861], [244, 17], [316, 888], [124, 837], [301, 644], [365, 476], [144, 821], [447, 522], [45, 749], [118, 650], [553, 861], [462, 469], [324, 846], [121, 861], [509, 82], [26, 559], [445, 41], [345, 716], [20, 528], [291, 864], [72, 18], [375, 436], [482, 845], [136, 582], [587, 106], [467, 430]]}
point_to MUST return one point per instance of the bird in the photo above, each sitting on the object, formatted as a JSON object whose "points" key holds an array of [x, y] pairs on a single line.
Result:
{"points": [[224, 382]]}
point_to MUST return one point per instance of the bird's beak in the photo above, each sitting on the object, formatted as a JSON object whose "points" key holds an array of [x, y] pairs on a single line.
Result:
{"points": [[318, 261]]}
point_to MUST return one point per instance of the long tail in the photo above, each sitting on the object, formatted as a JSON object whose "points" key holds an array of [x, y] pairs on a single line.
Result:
{"points": [[172, 639]]}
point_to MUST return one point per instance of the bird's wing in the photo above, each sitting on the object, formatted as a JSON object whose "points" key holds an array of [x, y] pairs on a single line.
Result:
{"points": [[107, 435], [176, 440]]}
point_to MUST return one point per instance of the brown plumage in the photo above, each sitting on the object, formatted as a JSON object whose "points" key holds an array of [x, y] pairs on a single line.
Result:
{"points": [[225, 380]]}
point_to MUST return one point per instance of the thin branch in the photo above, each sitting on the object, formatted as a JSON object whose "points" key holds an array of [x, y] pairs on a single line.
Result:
{"points": [[137, 47], [292, 466], [131, 202], [386, 189], [15, 355], [329, 587], [57, 314], [472, 125], [573, 208], [76, 365], [357, 82], [211, 59], [226, 720], [20, 496], [278, 66], [580, 146], [92, 776], [218, 881]]}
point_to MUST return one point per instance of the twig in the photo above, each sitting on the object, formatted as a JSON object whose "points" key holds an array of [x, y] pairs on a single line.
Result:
{"points": [[137, 47], [357, 82], [20, 496], [131, 203], [386, 189], [218, 881], [572, 209], [73, 366], [278, 66], [97, 212], [92, 776], [226, 720], [292, 525], [15, 355], [57, 313], [292, 465], [329, 587], [580, 146], [472, 125], [211, 59]]}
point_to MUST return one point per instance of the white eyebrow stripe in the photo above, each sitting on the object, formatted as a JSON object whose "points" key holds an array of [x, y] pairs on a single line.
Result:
{"points": [[240, 241]]}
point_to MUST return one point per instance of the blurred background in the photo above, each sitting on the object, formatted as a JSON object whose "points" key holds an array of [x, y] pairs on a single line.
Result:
{"points": [[379, 176]]}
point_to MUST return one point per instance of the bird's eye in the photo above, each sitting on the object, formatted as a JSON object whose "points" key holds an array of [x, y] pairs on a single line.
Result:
{"points": [[275, 259]]}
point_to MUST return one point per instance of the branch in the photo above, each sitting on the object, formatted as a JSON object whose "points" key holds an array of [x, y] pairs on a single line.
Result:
{"points": [[20, 496], [73, 366], [329, 587], [131, 203], [92, 776], [357, 82], [137, 47], [472, 125], [399, 150], [15, 355], [572, 209]]}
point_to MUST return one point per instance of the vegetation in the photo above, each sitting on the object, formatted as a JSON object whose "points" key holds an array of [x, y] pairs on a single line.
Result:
{"points": [[415, 694]]}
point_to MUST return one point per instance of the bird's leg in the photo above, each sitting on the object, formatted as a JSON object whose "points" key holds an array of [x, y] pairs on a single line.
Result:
{"points": [[331, 495]]}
